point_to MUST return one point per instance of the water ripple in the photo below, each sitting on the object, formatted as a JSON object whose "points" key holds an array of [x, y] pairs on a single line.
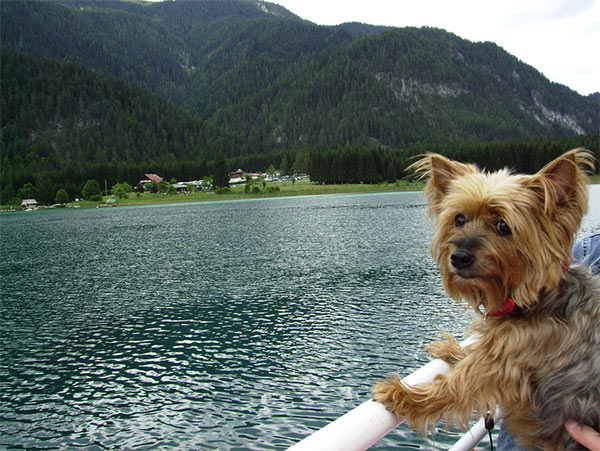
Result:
{"points": [[231, 326]]}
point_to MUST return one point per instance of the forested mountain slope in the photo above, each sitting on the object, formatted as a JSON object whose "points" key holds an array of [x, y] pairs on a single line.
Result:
{"points": [[418, 85], [275, 80], [177, 49], [107, 89], [64, 118]]}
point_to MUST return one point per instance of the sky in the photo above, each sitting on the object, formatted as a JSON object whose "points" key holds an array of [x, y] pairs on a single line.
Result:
{"points": [[560, 38]]}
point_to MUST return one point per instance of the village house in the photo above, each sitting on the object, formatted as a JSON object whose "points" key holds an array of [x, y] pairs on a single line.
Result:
{"points": [[29, 204], [240, 176], [186, 187], [236, 176], [147, 180]]}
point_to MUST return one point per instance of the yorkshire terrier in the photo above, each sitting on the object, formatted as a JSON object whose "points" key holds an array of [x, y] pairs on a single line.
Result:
{"points": [[503, 244]]}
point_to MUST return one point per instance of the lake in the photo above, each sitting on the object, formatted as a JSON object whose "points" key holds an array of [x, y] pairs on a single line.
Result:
{"points": [[222, 325]]}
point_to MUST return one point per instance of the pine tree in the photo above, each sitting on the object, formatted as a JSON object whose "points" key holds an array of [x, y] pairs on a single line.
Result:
{"points": [[220, 173]]}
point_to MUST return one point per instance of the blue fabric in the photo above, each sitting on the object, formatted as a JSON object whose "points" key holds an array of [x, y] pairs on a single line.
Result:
{"points": [[585, 251], [508, 442]]}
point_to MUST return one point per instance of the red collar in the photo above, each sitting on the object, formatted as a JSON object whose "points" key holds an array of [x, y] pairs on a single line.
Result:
{"points": [[506, 308], [510, 305]]}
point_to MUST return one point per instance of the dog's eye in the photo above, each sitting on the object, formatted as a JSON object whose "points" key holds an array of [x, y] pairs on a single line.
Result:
{"points": [[502, 228], [460, 220]]}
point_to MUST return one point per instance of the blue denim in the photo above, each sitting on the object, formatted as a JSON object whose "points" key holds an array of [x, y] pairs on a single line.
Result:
{"points": [[508, 442], [586, 251]]}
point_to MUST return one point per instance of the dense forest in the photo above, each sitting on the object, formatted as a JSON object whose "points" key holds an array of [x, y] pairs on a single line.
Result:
{"points": [[69, 114], [60, 120], [348, 164], [111, 90]]}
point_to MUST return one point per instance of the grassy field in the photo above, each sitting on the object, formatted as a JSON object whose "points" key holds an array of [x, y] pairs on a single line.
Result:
{"points": [[286, 189]]}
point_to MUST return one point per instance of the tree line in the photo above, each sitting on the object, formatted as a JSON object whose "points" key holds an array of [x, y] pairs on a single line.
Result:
{"points": [[352, 164], [343, 164]]}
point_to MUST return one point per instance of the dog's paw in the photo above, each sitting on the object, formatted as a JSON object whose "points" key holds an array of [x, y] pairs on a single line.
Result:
{"points": [[449, 351], [389, 392]]}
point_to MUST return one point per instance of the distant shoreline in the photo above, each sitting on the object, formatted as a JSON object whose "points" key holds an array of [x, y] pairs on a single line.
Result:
{"points": [[286, 189]]}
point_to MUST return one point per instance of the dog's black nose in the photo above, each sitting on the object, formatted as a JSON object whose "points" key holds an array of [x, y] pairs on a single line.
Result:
{"points": [[462, 259]]}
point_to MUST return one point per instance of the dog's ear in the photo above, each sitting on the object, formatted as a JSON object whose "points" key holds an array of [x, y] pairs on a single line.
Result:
{"points": [[562, 180], [562, 199], [439, 172]]}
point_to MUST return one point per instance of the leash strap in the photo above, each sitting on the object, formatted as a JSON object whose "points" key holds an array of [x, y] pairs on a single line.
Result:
{"points": [[489, 425]]}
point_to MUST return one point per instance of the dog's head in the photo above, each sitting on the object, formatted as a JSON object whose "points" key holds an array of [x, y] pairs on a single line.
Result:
{"points": [[500, 234]]}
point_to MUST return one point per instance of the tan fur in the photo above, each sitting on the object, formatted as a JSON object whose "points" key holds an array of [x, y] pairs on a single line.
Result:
{"points": [[514, 353], [449, 351]]}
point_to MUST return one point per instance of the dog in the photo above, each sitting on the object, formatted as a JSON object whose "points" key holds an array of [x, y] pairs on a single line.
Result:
{"points": [[502, 244]]}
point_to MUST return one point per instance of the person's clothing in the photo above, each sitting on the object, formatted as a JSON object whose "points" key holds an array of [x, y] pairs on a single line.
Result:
{"points": [[587, 251]]}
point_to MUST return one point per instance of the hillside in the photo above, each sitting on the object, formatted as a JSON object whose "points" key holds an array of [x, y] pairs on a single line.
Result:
{"points": [[176, 49], [61, 120], [265, 74], [109, 88]]}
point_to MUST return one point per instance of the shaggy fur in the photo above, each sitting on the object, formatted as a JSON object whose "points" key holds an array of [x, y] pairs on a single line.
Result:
{"points": [[501, 235]]}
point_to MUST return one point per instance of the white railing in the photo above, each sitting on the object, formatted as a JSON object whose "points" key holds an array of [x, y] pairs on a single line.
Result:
{"points": [[366, 424]]}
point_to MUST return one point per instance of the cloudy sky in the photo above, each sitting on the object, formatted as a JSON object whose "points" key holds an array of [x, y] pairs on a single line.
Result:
{"points": [[560, 38]]}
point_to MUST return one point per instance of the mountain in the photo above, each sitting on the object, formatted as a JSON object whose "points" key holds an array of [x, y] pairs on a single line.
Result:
{"points": [[108, 82], [258, 70], [63, 123], [72, 114]]}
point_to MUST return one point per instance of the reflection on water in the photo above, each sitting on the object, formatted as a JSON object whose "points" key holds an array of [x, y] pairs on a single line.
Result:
{"points": [[235, 324]]}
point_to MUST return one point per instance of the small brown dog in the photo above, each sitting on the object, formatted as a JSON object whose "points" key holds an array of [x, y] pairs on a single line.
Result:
{"points": [[503, 244]]}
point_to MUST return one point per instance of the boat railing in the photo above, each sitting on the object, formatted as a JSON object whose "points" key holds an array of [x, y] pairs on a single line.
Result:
{"points": [[369, 422]]}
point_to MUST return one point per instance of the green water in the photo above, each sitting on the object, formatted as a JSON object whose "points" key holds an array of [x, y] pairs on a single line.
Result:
{"points": [[231, 325]]}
